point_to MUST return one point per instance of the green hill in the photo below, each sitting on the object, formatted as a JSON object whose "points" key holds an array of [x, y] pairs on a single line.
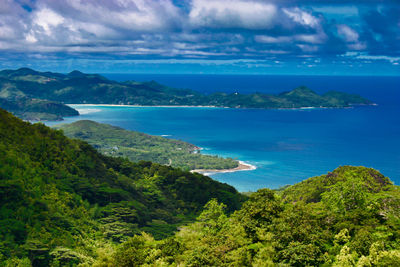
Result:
{"points": [[349, 217], [136, 146], [33, 109], [79, 88], [61, 201]]}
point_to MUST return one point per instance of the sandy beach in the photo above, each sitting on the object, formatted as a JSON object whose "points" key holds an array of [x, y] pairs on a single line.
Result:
{"points": [[187, 106], [242, 167], [156, 106]]}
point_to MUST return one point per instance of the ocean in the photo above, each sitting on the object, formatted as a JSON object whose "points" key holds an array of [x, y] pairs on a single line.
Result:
{"points": [[286, 146]]}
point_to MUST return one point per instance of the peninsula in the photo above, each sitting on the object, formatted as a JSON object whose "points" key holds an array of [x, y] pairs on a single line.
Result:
{"points": [[79, 88], [136, 146]]}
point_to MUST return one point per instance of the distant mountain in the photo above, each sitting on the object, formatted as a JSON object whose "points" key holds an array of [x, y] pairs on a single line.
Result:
{"points": [[26, 106], [136, 146], [79, 88]]}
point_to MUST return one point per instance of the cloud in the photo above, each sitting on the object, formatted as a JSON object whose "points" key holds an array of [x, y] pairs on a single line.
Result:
{"points": [[272, 40], [197, 29], [350, 37], [12, 20], [301, 17], [348, 33], [46, 19], [364, 56], [381, 29], [311, 38], [131, 15], [232, 14]]}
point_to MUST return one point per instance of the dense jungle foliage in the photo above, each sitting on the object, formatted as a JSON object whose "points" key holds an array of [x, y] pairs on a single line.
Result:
{"points": [[349, 217], [136, 146], [79, 88], [62, 202]]}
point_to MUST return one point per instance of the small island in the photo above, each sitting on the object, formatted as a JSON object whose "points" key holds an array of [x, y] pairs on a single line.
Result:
{"points": [[48, 93]]}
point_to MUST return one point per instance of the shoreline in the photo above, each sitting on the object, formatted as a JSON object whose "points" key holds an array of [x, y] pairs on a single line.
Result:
{"points": [[243, 166], [188, 106], [142, 106]]}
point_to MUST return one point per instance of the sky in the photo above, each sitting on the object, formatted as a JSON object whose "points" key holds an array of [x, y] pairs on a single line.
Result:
{"points": [[311, 37]]}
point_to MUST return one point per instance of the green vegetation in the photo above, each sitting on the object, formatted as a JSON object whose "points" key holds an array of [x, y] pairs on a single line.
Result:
{"points": [[297, 98], [36, 109], [26, 106], [349, 217], [79, 88], [64, 203], [115, 141]]}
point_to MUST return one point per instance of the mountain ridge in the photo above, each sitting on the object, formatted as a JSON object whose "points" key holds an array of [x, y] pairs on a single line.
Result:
{"points": [[79, 88]]}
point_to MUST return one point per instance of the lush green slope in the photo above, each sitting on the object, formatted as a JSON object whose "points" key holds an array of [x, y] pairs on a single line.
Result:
{"points": [[36, 109], [136, 146], [61, 200], [29, 107], [77, 87], [297, 98], [350, 217]]}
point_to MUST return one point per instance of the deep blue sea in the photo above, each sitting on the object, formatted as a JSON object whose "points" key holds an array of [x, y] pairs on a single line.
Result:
{"points": [[286, 146]]}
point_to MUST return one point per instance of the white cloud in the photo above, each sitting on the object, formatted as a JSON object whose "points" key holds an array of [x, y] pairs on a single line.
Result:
{"points": [[318, 38], [232, 14], [272, 40], [364, 56], [347, 33], [30, 38], [351, 37], [47, 18], [90, 22], [308, 48], [388, 58], [13, 21], [301, 17], [134, 15], [310, 38], [7, 32]]}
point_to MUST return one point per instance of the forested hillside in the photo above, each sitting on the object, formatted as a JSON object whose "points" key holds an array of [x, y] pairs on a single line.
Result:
{"points": [[33, 109], [136, 146], [349, 217], [61, 201]]}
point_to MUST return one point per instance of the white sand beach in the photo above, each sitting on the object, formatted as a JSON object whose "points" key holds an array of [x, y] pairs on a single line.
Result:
{"points": [[243, 166]]}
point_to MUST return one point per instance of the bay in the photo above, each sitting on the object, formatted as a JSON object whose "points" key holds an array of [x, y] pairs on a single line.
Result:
{"points": [[286, 146]]}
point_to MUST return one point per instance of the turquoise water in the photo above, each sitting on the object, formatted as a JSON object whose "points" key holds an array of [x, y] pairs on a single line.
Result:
{"points": [[286, 146]]}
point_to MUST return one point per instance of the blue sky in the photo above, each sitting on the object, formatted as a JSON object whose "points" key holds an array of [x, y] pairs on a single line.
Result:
{"points": [[315, 37]]}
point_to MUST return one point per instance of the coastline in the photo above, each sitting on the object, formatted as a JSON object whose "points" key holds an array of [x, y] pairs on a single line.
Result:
{"points": [[220, 107], [142, 106], [243, 166]]}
